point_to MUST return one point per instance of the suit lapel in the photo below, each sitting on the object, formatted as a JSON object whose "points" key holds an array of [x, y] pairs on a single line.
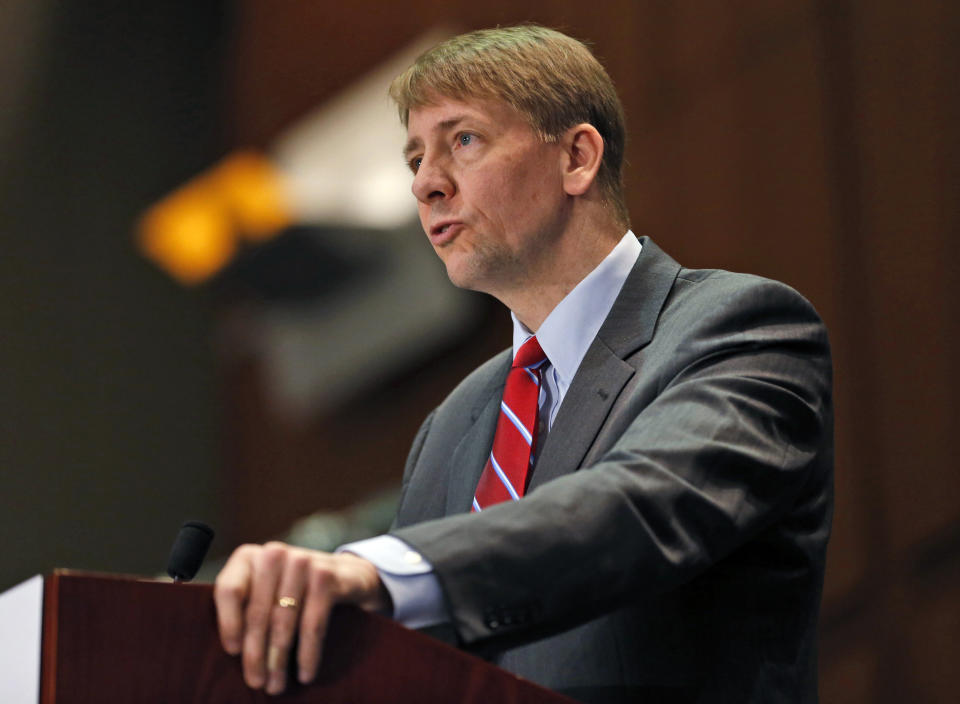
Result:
{"points": [[603, 372], [585, 406], [633, 318]]}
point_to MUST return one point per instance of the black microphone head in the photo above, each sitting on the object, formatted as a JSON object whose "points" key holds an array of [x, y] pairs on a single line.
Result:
{"points": [[188, 550]]}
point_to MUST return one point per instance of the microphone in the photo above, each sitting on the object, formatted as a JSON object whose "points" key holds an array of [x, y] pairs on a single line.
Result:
{"points": [[188, 550]]}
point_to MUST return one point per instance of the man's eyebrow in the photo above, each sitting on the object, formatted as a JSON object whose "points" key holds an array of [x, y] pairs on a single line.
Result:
{"points": [[414, 143], [410, 147]]}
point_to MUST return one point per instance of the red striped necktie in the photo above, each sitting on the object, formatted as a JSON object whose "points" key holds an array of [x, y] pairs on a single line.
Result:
{"points": [[508, 467]]}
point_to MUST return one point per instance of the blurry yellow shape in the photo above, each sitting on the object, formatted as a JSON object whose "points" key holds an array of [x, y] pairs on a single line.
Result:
{"points": [[194, 232], [251, 186], [189, 234]]}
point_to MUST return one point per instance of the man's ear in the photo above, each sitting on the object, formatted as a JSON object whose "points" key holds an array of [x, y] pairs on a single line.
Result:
{"points": [[583, 150]]}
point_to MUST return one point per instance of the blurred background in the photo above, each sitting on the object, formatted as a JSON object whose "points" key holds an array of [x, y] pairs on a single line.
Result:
{"points": [[145, 382]]}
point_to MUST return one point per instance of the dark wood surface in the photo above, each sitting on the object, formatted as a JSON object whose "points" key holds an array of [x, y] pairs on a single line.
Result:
{"points": [[122, 639]]}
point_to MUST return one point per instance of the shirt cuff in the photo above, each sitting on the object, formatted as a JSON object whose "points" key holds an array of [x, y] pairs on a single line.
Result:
{"points": [[407, 576]]}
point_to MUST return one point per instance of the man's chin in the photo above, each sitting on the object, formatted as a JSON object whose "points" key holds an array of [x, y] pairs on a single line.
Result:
{"points": [[460, 280], [462, 275]]}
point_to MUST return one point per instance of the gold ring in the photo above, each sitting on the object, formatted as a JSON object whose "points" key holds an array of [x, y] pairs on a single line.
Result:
{"points": [[287, 602]]}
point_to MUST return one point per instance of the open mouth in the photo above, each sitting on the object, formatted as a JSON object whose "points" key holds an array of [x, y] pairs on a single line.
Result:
{"points": [[443, 228]]}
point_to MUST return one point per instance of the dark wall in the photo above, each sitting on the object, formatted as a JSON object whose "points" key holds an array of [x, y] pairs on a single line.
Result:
{"points": [[107, 427]]}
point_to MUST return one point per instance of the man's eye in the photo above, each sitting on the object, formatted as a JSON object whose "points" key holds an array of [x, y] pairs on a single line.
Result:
{"points": [[465, 139], [415, 164]]}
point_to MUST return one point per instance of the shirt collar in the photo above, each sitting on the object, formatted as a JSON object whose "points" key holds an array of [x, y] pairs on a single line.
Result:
{"points": [[569, 329]]}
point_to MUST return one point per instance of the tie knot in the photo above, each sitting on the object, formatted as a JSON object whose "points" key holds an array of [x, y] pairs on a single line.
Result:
{"points": [[529, 355]]}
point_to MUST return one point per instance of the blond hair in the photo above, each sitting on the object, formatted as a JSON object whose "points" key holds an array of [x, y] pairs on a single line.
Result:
{"points": [[551, 79]]}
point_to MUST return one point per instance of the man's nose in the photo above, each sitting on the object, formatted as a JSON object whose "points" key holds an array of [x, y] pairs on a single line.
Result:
{"points": [[432, 182]]}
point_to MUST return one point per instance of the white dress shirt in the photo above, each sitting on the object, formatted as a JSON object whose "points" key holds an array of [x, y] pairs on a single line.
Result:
{"points": [[564, 336]]}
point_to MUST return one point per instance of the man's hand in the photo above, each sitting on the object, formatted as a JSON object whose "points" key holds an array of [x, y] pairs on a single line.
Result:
{"points": [[266, 593]]}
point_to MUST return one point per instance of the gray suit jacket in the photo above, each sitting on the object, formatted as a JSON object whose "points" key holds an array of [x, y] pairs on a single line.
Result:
{"points": [[672, 541]]}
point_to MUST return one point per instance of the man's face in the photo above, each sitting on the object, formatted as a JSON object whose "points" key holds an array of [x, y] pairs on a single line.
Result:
{"points": [[489, 191]]}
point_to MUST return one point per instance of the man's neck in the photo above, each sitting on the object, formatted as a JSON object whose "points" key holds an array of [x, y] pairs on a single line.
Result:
{"points": [[573, 257]]}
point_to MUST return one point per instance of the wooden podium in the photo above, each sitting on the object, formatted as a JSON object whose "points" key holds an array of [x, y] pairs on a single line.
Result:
{"points": [[114, 639]]}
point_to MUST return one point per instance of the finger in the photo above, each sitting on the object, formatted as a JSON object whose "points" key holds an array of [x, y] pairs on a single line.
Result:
{"points": [[316, 612], [285, 618], [230, 592], [267, 567]]}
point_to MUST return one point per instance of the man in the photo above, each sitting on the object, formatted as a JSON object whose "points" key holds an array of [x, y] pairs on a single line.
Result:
{"points": [[638, 510]]}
